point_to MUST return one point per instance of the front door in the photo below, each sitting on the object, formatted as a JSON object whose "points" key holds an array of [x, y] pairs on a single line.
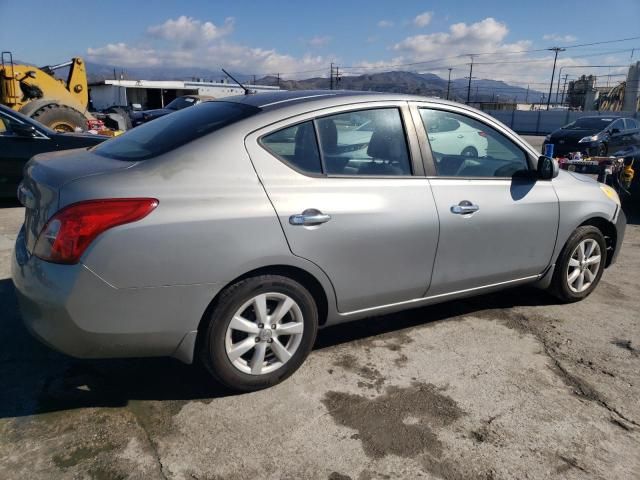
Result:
{"points": [[496, 225], [346, 192]]}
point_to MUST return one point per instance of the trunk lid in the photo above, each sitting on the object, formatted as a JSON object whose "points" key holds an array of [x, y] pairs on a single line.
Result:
{"points": [[44, 177]]}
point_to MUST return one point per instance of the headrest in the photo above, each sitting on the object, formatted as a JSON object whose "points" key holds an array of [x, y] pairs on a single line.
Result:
{"points": [[387, 144]]}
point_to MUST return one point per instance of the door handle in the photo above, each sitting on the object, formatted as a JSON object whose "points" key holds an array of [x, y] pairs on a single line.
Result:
{"points": [[309, 218], [460, 136], [464, 207]]}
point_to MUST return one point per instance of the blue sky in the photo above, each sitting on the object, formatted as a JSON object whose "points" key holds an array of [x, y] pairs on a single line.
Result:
{"points": [[291, 37]]}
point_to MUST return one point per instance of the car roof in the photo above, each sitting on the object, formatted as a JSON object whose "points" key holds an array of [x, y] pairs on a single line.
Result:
{"points": [[275, 100]]}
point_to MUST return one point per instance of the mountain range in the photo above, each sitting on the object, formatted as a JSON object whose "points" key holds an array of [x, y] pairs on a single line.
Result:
{"points": [[427, 84]]}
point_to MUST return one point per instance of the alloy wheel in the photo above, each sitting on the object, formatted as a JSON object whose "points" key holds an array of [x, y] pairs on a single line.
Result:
{"points": [[584, 264], [264, 333]]}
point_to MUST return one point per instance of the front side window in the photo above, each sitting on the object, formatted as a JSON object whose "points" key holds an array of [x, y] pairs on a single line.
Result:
{"points": [[464, 147], [617, 125]]}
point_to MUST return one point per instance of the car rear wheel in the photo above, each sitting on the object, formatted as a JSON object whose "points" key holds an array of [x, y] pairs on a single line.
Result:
{"points": [[260, 332], [580, 265]]}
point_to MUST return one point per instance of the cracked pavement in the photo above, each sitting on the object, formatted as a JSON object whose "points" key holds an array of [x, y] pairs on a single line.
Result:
{"points": [[507, 385]]}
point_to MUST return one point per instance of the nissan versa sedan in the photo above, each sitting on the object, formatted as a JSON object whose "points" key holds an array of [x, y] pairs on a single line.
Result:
{"points": [[229, 232]]}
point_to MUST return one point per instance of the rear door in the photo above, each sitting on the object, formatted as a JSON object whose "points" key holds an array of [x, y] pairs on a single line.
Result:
{"points": [[348, 187], [496, 225]]}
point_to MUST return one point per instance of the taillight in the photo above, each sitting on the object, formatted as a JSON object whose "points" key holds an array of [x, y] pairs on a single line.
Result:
{"points": [[482, 134], [69, 232]]}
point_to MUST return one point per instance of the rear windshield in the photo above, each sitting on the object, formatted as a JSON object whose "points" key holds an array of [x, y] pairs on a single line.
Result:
{"points": [[589, 123], [174, 130]]}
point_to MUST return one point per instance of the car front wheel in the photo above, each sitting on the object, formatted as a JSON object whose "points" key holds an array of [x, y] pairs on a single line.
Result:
{"points": [[580, 265], [260, 331]]}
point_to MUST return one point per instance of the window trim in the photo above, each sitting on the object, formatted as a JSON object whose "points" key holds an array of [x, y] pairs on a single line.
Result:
{"points": [[430, 164], [413, 149]]}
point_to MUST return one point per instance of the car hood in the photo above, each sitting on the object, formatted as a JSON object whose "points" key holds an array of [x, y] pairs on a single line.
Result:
{"points": [[573, 134], [157, 113]]}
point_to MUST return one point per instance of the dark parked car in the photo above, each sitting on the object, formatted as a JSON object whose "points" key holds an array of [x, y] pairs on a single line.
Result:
{"points": [[21, 138], [600, 136], [138, 118]]}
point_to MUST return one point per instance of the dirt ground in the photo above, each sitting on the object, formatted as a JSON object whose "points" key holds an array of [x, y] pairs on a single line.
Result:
{"points": [[509, 385]]}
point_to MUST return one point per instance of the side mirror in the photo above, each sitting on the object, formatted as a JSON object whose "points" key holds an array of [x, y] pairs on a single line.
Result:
{"points": [[614, 131], [136, 106], [24, 130], [548, 168]]}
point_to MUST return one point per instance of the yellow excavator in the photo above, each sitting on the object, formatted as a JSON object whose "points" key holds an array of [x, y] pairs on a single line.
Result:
{"points": [[37, 93]]}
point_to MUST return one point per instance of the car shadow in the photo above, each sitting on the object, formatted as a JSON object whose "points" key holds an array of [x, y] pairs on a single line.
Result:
{"points": [[631, 207], [36, 379]]}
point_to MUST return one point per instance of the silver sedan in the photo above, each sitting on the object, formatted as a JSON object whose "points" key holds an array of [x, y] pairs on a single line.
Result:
{"points": [[231, 231]]}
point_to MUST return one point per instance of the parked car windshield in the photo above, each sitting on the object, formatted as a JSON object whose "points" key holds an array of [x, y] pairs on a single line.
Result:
{"points": [[180, 103], [589, 123], [172, 131]]}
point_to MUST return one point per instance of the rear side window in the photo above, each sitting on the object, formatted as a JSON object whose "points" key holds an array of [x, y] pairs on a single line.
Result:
{"points": [[297, 146], [363, 142], [174, 130]]}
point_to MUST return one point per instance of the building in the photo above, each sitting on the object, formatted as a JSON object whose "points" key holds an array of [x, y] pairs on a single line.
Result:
{"points": [[156, 94]]}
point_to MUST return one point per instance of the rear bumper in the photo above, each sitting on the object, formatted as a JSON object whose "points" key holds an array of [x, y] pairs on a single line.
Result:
{"points": [[72, 310]]}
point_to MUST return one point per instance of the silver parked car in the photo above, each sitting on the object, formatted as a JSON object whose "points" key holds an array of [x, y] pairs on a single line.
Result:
{"points": [[231, 231]]}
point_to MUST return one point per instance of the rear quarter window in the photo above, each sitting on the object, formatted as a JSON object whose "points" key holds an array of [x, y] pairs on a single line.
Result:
{"points": [[174, 130]]}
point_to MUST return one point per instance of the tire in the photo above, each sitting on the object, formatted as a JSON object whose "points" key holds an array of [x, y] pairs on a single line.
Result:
{"points": [[561, 287], [602, 150], [60, 118], [470, 152], [220, 341]]}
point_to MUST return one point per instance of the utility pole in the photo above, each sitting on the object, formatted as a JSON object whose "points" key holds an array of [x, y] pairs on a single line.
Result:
{"points": [[278, 77], [470, 77], [254, 79], [449, 83], [564, 88], [553, 73], [526, 98], [331, 77], [338, 77]]}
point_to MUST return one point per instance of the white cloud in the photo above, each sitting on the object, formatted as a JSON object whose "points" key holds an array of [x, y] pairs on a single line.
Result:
{"points": [[423, 19], [122, 54], [320, 41], [484, 36], [385, 23], [188, 42], [559, 38], [190, 31]]}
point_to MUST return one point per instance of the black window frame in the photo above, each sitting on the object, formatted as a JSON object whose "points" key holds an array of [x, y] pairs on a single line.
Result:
{"points": [[323, 174], [431, 158]]}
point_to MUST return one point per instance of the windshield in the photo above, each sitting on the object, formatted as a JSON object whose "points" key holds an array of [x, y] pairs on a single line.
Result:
{"points": [[589, 123], [172, 131], [180, 103]]}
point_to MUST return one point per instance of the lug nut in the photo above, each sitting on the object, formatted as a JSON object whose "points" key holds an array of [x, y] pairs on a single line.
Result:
{"points": [[270, 340], [273, 327], [257, 340], [261, 325]]}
